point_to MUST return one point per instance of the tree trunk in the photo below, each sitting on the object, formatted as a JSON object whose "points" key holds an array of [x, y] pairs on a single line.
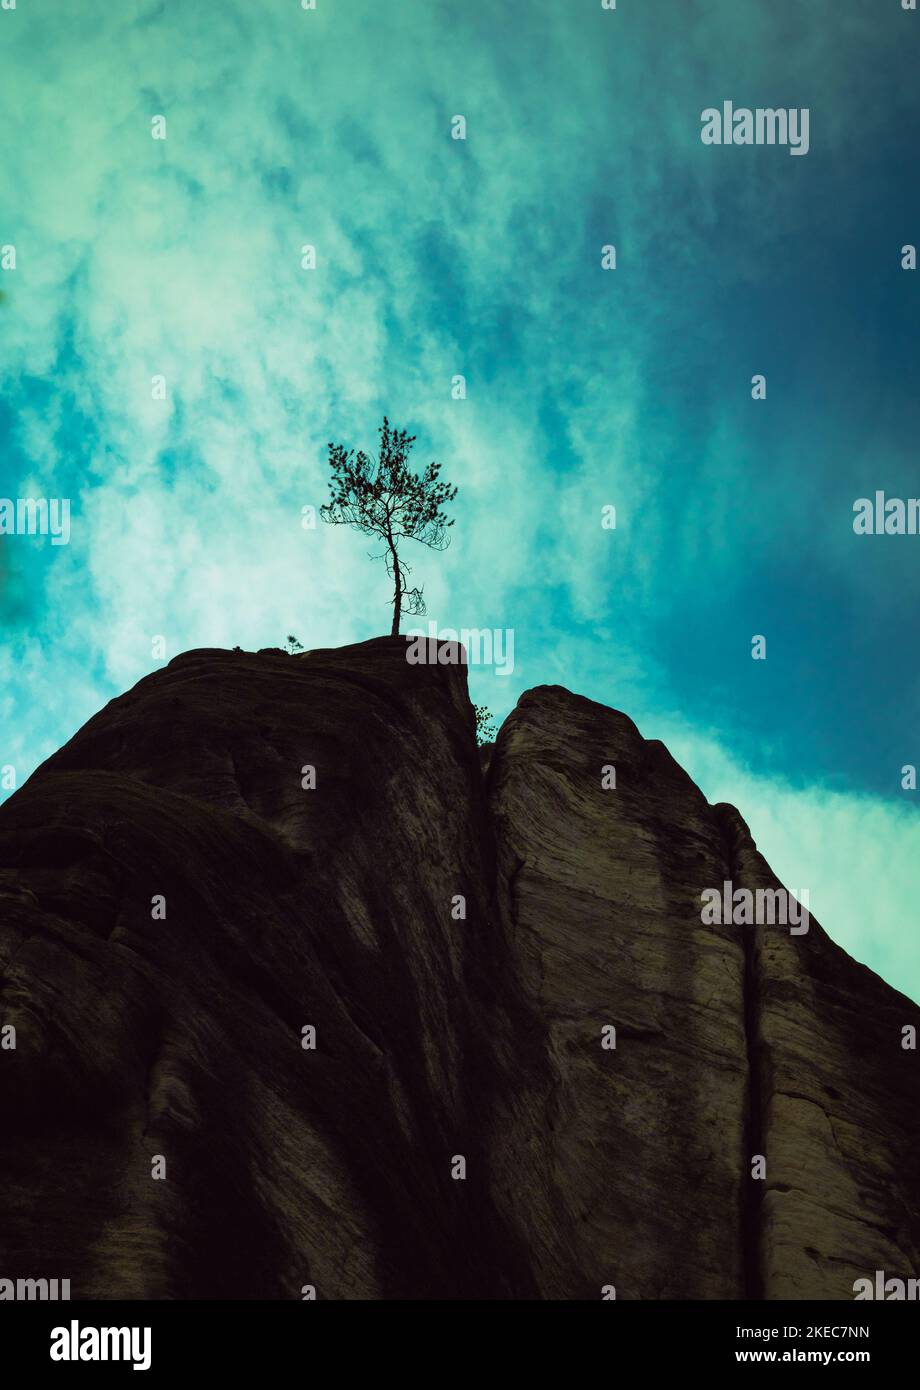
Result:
{"points": [[397, 593]]}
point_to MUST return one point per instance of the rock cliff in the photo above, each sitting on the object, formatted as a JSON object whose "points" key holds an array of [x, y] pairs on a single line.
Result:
{"points": [[249, 853]]}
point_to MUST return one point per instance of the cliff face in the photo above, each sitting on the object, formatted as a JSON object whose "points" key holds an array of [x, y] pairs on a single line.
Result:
{"points": [[179, 902]]}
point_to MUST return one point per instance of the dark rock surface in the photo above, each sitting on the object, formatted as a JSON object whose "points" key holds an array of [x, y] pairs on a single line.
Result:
{"points": [[444, 1029]]}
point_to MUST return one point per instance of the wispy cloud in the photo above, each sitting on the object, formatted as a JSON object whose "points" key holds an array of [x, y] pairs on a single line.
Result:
{"points": [[182, 259]]}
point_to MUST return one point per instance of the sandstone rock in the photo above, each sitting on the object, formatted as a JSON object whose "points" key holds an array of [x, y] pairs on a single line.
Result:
{"points": [[459, 926]]}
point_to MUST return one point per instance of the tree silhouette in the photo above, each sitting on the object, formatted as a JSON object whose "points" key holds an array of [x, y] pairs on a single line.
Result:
{"points": [[383, 497], [485, 725]]}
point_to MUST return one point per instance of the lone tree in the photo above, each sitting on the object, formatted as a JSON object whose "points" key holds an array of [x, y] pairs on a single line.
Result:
{"points": [[383, 497]]}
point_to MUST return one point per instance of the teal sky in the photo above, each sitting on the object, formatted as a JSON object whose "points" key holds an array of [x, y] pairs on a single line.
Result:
{"points": [[586, 388]]}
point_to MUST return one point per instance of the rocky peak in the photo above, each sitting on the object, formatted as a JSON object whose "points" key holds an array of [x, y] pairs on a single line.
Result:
{"points": [[250, 846]]}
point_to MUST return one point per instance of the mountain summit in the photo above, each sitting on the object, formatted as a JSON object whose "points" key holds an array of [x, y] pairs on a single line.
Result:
{"points": [[295, 998]]}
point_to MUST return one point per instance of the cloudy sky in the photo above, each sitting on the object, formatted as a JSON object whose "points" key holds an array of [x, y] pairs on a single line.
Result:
{"points": [[182, 258]]}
